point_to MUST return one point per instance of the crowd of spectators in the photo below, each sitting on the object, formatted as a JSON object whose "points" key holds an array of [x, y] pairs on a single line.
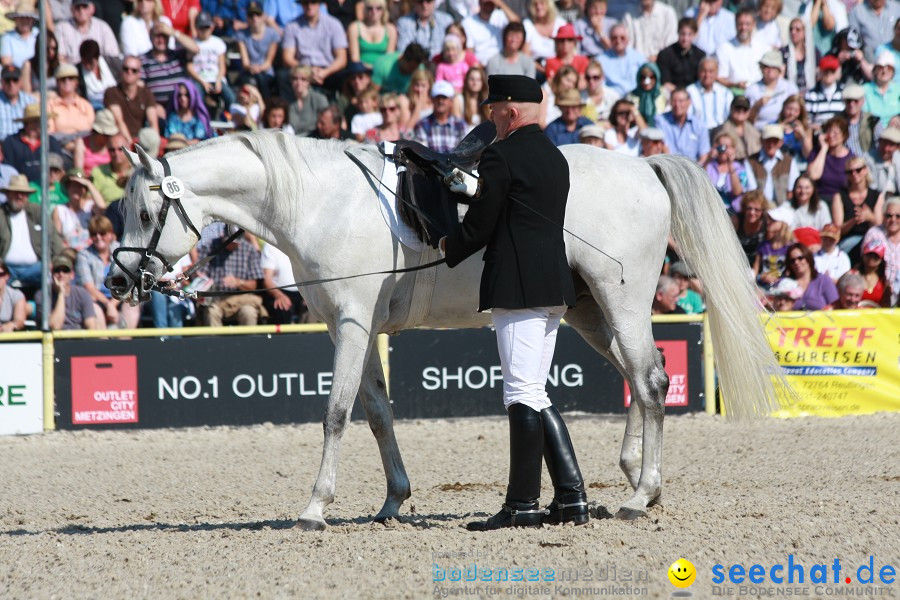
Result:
{"points": [[790, 107]]}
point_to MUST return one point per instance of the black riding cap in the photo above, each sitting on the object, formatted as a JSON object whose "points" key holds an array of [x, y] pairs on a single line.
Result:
{"points": [[513, 88]]}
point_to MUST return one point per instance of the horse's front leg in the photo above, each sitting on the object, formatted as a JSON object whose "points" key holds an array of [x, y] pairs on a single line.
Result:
{"points": [[352, 344], [373, 394]]}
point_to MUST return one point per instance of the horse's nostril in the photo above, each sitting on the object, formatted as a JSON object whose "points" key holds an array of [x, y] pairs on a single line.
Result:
{"points": [[118, 281]]}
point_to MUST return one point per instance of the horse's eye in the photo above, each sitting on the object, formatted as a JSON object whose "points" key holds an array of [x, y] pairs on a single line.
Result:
{"points": [[145, 218]]}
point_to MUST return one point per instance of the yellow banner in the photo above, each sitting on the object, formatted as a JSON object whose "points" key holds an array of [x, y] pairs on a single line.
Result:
{"points": [[839, 362]]}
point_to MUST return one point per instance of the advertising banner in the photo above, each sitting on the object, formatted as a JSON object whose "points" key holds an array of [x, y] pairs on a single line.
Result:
{"points": [[286, 378], [839, 362], [21, 389], [440, 373]]}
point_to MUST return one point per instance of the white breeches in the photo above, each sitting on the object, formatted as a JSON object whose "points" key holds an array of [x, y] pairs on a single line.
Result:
{"points": [[526, 339]]}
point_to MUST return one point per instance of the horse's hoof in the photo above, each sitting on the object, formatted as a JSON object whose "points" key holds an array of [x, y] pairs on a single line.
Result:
{"points": [[630, 514], [658, 501], [309, 525]]}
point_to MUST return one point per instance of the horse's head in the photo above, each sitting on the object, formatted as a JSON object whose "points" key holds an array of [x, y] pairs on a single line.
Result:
{"points": [[160, 228]]}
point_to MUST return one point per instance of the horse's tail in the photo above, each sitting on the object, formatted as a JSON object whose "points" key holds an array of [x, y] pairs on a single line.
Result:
{"points": [[750, 379]]}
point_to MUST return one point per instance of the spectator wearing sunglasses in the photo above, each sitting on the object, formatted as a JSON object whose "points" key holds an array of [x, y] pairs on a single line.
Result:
{"points": [[71, 305], [132, 104]]}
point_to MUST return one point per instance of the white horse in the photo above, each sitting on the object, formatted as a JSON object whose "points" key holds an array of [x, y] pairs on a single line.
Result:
{"points": [[306, 197]]}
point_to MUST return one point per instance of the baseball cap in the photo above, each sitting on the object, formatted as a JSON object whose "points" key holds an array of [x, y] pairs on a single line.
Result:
{"points": [[442, 88], [740, 102], [829, 62], [874, 247], [808, 236], [81, 2], [885, 59], [11, 72], [63, 260], [255, 8], [204, 20]]}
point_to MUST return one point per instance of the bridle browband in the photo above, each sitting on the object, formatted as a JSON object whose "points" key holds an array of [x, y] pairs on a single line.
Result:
{"points": [[144, 281]]}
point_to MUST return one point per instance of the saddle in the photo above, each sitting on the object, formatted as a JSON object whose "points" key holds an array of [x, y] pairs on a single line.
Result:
{"points": [[420, 184]]}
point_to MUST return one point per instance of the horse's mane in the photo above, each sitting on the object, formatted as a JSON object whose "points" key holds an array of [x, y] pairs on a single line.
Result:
{"points": [[287, 160]]}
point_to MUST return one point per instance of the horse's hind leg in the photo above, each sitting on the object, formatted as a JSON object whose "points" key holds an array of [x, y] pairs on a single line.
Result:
{"points": [[352, 344], [588, 320], [373, 395]]}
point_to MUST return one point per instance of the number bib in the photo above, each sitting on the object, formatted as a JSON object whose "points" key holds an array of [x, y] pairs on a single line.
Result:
{"points": [[172, 187]]}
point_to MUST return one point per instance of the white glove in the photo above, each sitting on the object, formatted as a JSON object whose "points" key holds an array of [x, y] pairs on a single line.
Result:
{"points": [[461, 182]]}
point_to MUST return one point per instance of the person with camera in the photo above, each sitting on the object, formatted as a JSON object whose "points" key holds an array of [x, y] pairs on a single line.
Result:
{"points": [[725, 172]]}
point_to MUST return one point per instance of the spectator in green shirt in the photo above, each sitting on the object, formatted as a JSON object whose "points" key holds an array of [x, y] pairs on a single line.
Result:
{"points": [[110, 179], [392, 71], [55, 190], [688, 299]]}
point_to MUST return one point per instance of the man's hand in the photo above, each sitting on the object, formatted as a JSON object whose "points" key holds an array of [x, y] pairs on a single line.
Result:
{"points": [[461, 182], [283, 302]]}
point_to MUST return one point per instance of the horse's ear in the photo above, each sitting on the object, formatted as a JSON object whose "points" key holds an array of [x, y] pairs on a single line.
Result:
{"points": [[133, 158], [148, 162]]}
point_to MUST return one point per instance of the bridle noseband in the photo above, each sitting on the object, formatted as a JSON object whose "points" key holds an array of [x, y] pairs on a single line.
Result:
{"points": [[172, 189]]}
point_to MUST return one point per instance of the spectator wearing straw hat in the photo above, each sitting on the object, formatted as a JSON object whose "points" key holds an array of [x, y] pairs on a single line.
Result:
{"points": [[93, 150], [84, 26], [774, 172], [12, 101], [18, 46], [826, 99], [882, 93], [23, 150], [592, 135], [564, 130], [830, 259], [20, 233], [74, 114], [767, 95], [885, 162], [566, 43]]}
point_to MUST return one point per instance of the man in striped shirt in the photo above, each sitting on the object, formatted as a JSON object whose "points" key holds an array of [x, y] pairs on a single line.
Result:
{"points": [[164, 67], [826, 99]]}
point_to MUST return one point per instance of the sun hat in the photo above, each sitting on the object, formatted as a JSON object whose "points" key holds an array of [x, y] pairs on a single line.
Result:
{"points": [[63, 260], [66, 70], [831, 231], [654, 134], [772, 58], [55, 161], [591, 131], [17, 183], [149, 140], [569, 98], [74, 174], [177, 141], [891, 134], [773, 132], [24, 10], [740, 102], [566, 32], [885, 59], [105, 122], [853, 92], [33, 111]]}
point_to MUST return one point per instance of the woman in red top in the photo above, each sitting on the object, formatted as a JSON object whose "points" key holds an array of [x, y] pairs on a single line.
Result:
{"points": [[872, 269], [183, 14], [566, 43]]}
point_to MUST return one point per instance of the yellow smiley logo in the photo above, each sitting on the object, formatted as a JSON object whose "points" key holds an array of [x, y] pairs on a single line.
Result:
{"points": [[682, 573]]}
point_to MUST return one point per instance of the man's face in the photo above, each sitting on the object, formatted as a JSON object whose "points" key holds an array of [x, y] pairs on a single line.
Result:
{"points": [[16, 200], [830, 76], [887, 148], [115, 148], [714, 6], [651, 147], [739, 114], [618, 38], [486, 6], [883, 74], [570, 114], [311, 8], [442, 105], [82, 13], [10, 87], [851, 297], [771, 146], [744, 25], [853, 107], [160, 41], [131, 70], [708, 73], [770, 74], [424, 9], [686, 37], [667, 299], [681, 103], [326, 125]]}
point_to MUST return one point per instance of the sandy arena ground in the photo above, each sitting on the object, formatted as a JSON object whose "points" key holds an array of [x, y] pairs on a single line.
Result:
{"points": [[207, 513]]}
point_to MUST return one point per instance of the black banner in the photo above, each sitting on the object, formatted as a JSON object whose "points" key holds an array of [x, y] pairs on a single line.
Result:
{"points": [[441, 373], [286, 378]]}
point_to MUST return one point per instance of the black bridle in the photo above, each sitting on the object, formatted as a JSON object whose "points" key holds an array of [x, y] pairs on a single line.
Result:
{"points": [[144, 281]]}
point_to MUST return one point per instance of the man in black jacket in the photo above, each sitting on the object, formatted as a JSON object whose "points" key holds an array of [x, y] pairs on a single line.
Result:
{"points": [[518, 208]]}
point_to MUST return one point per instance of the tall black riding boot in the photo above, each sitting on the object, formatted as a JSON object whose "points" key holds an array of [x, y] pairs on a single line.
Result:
{"points": [[526, 447], [569, 498]]}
